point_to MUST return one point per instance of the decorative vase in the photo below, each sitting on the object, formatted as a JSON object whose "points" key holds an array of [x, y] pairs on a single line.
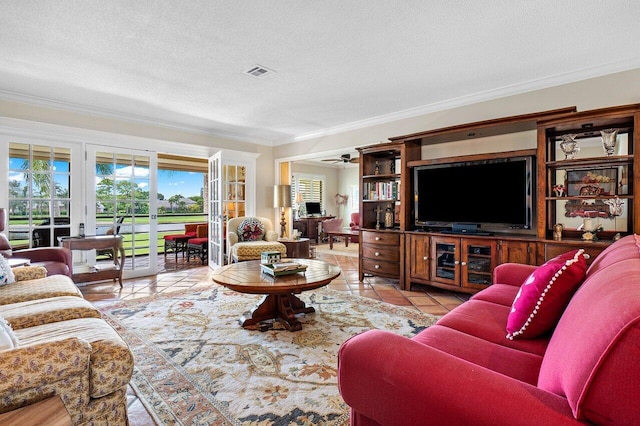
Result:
{"points": [[609, 139], [569, 146]]}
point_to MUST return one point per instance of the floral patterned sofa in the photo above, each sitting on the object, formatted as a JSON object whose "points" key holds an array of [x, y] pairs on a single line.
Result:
{"points": [[54, 342]]}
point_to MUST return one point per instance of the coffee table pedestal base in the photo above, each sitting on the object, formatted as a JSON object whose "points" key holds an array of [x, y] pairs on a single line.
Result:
{"points": [[282, 306]]}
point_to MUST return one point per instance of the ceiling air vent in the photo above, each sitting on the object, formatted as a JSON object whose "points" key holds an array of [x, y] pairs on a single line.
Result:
{"points": [[258, 71]]}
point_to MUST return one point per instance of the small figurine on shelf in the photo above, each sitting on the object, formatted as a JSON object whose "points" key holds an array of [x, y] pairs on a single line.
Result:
{"points": [[377, 169], [378, 210], [557, 231], [559, 190]]}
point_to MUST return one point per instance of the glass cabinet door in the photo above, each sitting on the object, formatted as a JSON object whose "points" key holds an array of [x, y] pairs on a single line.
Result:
{"points": [[478, 263], [445, 263]]}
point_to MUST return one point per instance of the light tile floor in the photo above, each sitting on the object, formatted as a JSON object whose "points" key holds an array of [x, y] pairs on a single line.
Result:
{"points": [[180, 275]]}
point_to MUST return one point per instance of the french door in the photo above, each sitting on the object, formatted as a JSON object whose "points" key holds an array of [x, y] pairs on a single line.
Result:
{"points": [[122, 200], [231, 194]]}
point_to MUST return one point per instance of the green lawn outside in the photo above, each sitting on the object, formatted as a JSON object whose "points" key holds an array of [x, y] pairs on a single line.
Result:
{"points": [[141, 239]]}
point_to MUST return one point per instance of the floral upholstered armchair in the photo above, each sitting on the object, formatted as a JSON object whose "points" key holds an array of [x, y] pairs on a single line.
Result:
{"points": [[248, 237]]}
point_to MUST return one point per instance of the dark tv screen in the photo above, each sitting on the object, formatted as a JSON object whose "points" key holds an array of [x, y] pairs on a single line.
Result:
{"points": [[492, 193], [313, 208]]}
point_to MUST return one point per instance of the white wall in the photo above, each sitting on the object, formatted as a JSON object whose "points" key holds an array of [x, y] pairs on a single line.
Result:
{"points": [[614, 89]]}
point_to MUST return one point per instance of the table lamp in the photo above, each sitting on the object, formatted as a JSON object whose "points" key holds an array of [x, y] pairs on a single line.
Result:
{"points": [[282, 200]]}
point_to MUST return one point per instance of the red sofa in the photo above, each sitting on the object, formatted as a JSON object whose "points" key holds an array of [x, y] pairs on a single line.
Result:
{"points": [[464, 370]]}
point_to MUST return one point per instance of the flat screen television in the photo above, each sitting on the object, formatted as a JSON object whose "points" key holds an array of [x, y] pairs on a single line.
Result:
{"points": [[313, 208], [496, 194]]}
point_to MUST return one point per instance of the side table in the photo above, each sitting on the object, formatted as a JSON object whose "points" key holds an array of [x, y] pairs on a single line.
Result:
{"points": [[296, 248], [113, 242]]}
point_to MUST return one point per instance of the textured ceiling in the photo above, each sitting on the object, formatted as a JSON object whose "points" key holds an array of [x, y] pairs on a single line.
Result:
{"points": [[337, 64]]}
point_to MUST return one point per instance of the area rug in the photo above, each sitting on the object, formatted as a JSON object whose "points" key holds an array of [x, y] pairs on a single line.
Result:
{"points": [[339, 249], [195, 365]]}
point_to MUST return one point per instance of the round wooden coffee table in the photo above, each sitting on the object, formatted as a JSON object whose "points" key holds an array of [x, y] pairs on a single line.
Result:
{"points": [[280, 300]]}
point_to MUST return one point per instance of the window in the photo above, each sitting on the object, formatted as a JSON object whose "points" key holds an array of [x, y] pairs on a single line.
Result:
{"points": [[39, 194], [310, 187]]}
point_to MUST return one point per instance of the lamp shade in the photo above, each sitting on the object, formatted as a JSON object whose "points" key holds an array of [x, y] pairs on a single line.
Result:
{"points": [[282, 196], [299, 198]]}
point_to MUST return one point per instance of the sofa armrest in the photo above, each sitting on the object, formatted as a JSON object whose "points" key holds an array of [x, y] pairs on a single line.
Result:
{"points": [[48, 254], [271, 236], [398, 381], [512, 273], [36, 365]]}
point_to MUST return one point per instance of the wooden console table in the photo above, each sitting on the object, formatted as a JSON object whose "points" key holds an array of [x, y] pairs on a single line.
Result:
{"points": [[308, 226], [296, 248], [101, 242]]}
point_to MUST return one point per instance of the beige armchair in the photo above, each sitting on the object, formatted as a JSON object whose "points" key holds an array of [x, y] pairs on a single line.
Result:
{"points": [[248, 237]]}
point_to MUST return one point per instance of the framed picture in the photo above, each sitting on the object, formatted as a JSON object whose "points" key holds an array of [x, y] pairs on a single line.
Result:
{"points": [[592, 183]]}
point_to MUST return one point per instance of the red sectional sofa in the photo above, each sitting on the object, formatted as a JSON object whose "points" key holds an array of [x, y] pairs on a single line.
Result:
{"points": [[465, 371]]}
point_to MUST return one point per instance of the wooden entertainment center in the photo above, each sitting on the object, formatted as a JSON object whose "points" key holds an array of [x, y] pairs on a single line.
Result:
{"points": [[573, 187]]}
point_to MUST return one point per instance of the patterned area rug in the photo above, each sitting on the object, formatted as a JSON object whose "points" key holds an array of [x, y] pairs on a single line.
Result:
{"points": [[195, 365]]}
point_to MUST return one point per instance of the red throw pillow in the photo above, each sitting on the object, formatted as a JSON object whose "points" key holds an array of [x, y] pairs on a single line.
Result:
{"points": [[251, 229], [545, 294]]}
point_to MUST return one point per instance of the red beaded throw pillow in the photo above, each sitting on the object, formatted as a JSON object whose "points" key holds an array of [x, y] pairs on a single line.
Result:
{"points": [[251, 229], [545, 294]]}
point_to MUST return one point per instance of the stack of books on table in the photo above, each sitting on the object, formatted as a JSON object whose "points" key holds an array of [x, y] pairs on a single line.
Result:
{"points": [[282, 268]]}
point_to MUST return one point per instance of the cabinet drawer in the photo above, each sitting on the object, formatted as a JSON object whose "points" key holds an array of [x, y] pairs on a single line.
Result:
{"points": [[372, 251], [381, 238], [381, 267]]}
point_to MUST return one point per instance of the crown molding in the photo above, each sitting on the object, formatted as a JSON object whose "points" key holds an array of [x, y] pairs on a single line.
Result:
{"points": [[106, 113], [515, 89]]}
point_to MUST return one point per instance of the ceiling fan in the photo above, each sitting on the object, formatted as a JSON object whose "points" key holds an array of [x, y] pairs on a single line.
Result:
{"points": [[344, 158]]}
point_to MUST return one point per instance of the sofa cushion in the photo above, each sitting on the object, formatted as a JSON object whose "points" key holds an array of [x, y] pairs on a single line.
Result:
{"points": [[6, 274], [251, 229], [45, 311], [486, 320], [521, 365], [51, 286], [253, 250], [502, 294], [625, 248], [544, 295]]}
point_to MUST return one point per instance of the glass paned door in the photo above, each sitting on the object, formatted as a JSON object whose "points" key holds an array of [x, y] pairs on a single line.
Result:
{"points": [[232, 194], [217, 220], [123, 202]]}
